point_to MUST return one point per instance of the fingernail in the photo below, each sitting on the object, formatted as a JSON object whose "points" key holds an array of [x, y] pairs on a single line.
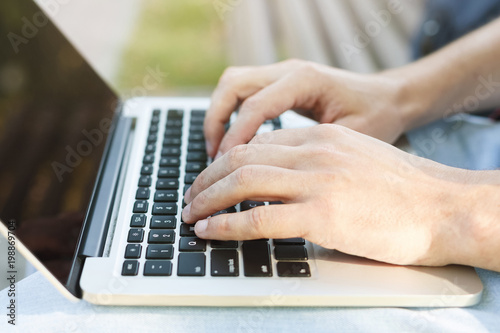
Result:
{"points": [[200, 226], [219, 154], [187, 195], [208, 147], [185, 211]]}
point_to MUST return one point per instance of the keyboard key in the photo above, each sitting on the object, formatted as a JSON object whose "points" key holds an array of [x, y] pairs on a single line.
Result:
{"points": [[196, 137], [150, 148], [142, 193], [156, 112], [191, 264], [225, 211], [173, 132], [190, 177], [290, 252], [148, 159], [196, 128], [130, 267], [172, 141], [147, 170], [164, 208], [224, 263], [152, 138], [158, 268], [195, 167], [187, 230], [133, 251], [170, 162], [248, 204], [168, 173], [163, 222], [166, 196], [276, 124], [217, 244], [160, 251], [167, 184], [138, 220], [135, 235], [289, 241], [196, 121], [145, 181], [196, 156], [196, 146], [170, 151], [275, 203], [293, 269], [256, 259], [175, 114], [192, 244], [140, 207], [174, 123], [153, 128], [161, 237], [198, 113]]}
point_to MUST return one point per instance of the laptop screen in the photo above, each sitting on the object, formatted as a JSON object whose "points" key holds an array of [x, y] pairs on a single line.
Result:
{"points": [[55, 115]]}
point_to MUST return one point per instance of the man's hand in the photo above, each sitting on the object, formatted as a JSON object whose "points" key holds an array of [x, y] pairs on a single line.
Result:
{"points": [[341, 189], [370, 104]]}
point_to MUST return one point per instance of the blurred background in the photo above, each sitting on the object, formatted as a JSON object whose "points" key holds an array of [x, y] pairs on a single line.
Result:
{"points": [[192, 41]]}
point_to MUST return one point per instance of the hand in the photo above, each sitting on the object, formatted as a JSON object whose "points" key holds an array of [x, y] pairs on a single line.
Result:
{"points": [[341, 189], [367, 103]]}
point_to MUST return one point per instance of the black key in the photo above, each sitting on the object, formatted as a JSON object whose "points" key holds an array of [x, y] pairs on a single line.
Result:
{"points": [[275, 203], [185, 189], [198, 113], [256, 259], [191, 264], [163, 222], [150, 148], [133, 251], [138, 220], [196, 137], [196, 121], [161, 237], [197, 156], [289, 241], [160, 251], [175, 114], [153, 128], [142, 193], [217, 244], [164, 208], [290, 252], [145, 181], [130, 267], [174, 123], [170, 151], [224, 263], [166, 196], [148, 159], [158, 268], [140, 207], [167, 184], [276, 124], [146, 170], [248, 204], [195, 167], [156, 112], [173, 132], [152, 138], [196, 128], [190, 177], [225, 211], [187, 230], [168, 173], [135, 235], [196, 146], [192, 244], [172, 141], [155, 119], [293, 269], [170, 162]]}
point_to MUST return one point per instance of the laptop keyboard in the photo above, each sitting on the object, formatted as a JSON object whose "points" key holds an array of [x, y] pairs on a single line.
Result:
{"points": [[154, 224]]}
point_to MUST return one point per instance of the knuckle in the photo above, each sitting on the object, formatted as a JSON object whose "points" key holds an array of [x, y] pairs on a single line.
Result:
{"points": [[243, 176], [236, 156], [230, 74], [262, 138], [258, 221]]}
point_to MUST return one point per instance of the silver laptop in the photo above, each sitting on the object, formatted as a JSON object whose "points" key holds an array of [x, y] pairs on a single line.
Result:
{"points": [[91, 193]]}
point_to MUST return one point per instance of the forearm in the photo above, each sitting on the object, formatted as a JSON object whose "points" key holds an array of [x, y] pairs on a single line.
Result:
{"points": [[462, 77]]}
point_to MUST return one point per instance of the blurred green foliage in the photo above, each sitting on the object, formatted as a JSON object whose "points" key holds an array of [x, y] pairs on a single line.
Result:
{"points": [[184, 38]]}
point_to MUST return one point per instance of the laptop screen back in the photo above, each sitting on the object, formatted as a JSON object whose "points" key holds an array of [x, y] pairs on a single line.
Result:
{"points": [[55, 115]]}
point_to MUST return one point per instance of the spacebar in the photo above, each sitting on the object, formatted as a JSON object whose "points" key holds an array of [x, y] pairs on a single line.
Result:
{"points": [[256, 258]]}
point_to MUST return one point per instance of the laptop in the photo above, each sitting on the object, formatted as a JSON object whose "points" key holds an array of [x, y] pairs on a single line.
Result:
{"points": [[91, 193]]}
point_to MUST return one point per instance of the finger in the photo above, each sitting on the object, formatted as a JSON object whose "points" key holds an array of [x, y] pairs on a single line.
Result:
{"points": [[251, 182], [274, 221], [239, 156], [236, 84], [267, 103], [285, 137]]}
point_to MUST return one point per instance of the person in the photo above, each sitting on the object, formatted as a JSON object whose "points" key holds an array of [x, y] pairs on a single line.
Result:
{"points": [[342, 185]]}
